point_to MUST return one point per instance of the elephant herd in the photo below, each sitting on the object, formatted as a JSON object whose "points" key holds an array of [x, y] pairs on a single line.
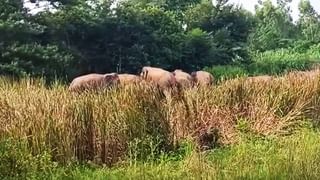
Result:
{"points": [[165, 80], [158, 77]]}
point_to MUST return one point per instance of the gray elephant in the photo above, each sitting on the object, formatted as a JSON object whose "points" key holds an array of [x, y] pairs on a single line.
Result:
{"points": [[129, 79], [160, 77], [202, 78], [184, 79], [94, 82]]}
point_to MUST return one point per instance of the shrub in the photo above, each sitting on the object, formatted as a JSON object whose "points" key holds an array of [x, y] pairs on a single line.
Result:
{"points": [[280, 61], [226, 72]]}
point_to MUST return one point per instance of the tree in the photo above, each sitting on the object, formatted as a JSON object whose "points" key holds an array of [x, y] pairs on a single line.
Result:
{"points": [[274, 29], [197, 51], [229, 27], [21, 51], [309, 22], [170, 5]]}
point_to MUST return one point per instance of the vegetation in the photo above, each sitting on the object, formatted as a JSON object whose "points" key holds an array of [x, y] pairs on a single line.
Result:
{"points": [[47, 129], [290, 157], [75, 37], [236, 129], [275, 62]]}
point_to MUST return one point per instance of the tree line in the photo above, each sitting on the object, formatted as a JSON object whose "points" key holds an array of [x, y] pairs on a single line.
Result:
{"points": [[83, 36]]}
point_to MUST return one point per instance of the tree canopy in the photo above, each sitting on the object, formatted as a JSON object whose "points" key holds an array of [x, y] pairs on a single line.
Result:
{"points": [[84, 36]]}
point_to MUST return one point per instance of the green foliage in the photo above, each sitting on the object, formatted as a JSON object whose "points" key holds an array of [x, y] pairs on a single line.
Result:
{"points": [[90, 37], [36, 60], [22, 52], [274, 62], [280, 61], [156, 38], [227, 71], [81, 37], [197, 51], [228, 41], [309, 22], [274, 27], [289, 157], [172, 5], [229, 27], [18, 163]]}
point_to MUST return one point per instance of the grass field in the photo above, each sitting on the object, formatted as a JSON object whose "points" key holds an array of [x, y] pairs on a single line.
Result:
{"points": [[294, 157], [255, 130]]}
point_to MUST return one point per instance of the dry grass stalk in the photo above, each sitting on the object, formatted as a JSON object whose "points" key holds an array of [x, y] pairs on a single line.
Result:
{"points": [[100, 126]]}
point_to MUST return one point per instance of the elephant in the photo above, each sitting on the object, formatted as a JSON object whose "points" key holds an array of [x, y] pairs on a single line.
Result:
{"points": [[94, 81], [127, 79], [184, 79], [202, 78], [160, 77]]}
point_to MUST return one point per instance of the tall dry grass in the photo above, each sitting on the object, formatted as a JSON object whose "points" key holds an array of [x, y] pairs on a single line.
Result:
{"points": [[108, 126]]}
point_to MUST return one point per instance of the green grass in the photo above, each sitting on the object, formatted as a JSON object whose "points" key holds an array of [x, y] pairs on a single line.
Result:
{"points": [[292, 157], [282, 60], [273, 62], [227, 71]]}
